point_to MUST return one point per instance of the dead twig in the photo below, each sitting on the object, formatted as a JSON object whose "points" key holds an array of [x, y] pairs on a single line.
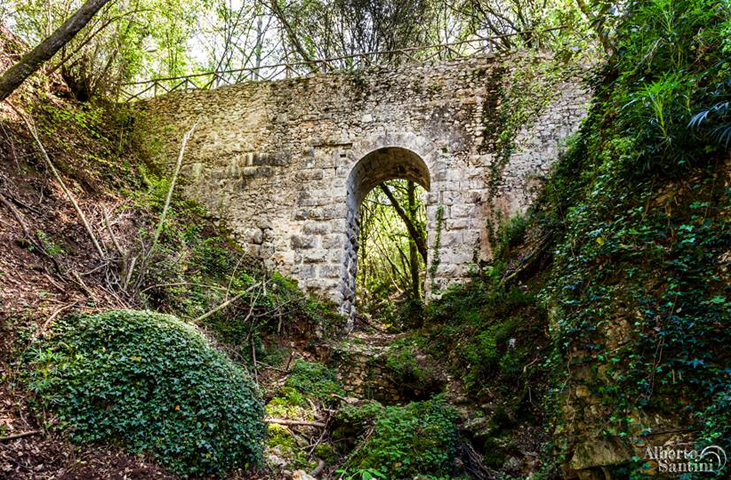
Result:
{"points": [[57, 286], [41, 331], [128, 277], [368, 434], [180, 284], [251, 310], [320, 439], [272, 368], [20, 435], [31, 127], [231, 279], [17, 216], [528, 261], [284, 421], [22, 204], [253, 361], [28, 237], [166, 206], [108, 226], [12, 146], [318, 470], [289, 360], [225, 304], [77, 279], [348, 400]]}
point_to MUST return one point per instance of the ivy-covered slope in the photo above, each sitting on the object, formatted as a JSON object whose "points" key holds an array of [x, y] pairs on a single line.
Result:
{"points": [[634, 281], [639, 295]]}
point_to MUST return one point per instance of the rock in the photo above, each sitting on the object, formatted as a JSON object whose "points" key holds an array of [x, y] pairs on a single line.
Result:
{"points": [[512, 464], [476, 424], [596, 452], [302, 475], [273, 457]]}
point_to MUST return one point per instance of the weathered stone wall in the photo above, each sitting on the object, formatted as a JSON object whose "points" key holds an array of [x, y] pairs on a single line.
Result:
{"points": [[286, 163]]}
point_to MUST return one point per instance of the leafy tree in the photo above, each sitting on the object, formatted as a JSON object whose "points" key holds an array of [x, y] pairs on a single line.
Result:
{"points": [[392, 245], [32, 61]]}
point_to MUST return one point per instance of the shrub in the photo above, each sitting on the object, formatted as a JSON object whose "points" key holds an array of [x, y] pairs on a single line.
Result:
{"points": [[150, 383], [403, 363], [511, 233], [314, 380], [418, 375], [404, 442]]}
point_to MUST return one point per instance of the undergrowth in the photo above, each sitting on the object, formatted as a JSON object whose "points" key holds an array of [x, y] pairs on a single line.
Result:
{"points": [[315, 380], [638, 285], [636, 294], [150, 383], [400, 443]]}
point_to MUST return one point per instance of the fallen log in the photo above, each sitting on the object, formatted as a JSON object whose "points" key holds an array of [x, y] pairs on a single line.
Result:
{"points": [[283, 421]]}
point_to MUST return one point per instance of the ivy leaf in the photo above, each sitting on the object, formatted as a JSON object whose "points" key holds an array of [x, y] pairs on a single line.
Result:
{"points": [[696, 362]]}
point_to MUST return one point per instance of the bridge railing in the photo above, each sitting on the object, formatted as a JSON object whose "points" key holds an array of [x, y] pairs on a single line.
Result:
{"points": [[200, 81]]}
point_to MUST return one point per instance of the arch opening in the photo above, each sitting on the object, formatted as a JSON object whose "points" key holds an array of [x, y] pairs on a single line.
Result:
{"points": [[374, 169]]}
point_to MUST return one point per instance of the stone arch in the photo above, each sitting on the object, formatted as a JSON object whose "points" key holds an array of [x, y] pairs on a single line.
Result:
{"points": [[376, 167]]}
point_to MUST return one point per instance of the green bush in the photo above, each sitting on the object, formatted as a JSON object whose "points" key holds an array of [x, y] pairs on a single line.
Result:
{"points": [[150, 383], [404, 442], [404, 365], [510, 234], [417, 374], [314, 379]]}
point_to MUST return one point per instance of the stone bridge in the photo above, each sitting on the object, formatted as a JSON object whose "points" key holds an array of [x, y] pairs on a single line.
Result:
{"points": [[286, 163]]}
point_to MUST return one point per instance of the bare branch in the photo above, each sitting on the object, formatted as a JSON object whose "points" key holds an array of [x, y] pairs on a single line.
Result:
{"points": [[225, 304]]}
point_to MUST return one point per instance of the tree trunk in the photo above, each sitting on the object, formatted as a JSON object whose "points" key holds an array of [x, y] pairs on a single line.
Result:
{"points": [[292, 35], [420, 242], [32, 61]]}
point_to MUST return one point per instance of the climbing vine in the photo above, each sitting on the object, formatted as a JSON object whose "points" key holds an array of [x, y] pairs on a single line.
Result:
{"points": [[437, 246]]}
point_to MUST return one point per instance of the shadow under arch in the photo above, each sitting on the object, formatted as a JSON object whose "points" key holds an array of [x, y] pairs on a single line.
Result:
{"points": [[376, 167]]}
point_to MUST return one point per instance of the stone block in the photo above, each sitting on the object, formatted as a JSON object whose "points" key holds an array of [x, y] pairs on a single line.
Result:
{"points": [[303, 242], [457, 223], [316, 228], [333, 241], [471, 238], [304, 271], [330, 271], [463, 211], [315, 256], [456, 257], [309, 174], [451, 239]]}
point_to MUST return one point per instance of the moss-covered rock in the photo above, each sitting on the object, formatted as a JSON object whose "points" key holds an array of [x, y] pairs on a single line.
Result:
{"points": [[285, 447]]}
